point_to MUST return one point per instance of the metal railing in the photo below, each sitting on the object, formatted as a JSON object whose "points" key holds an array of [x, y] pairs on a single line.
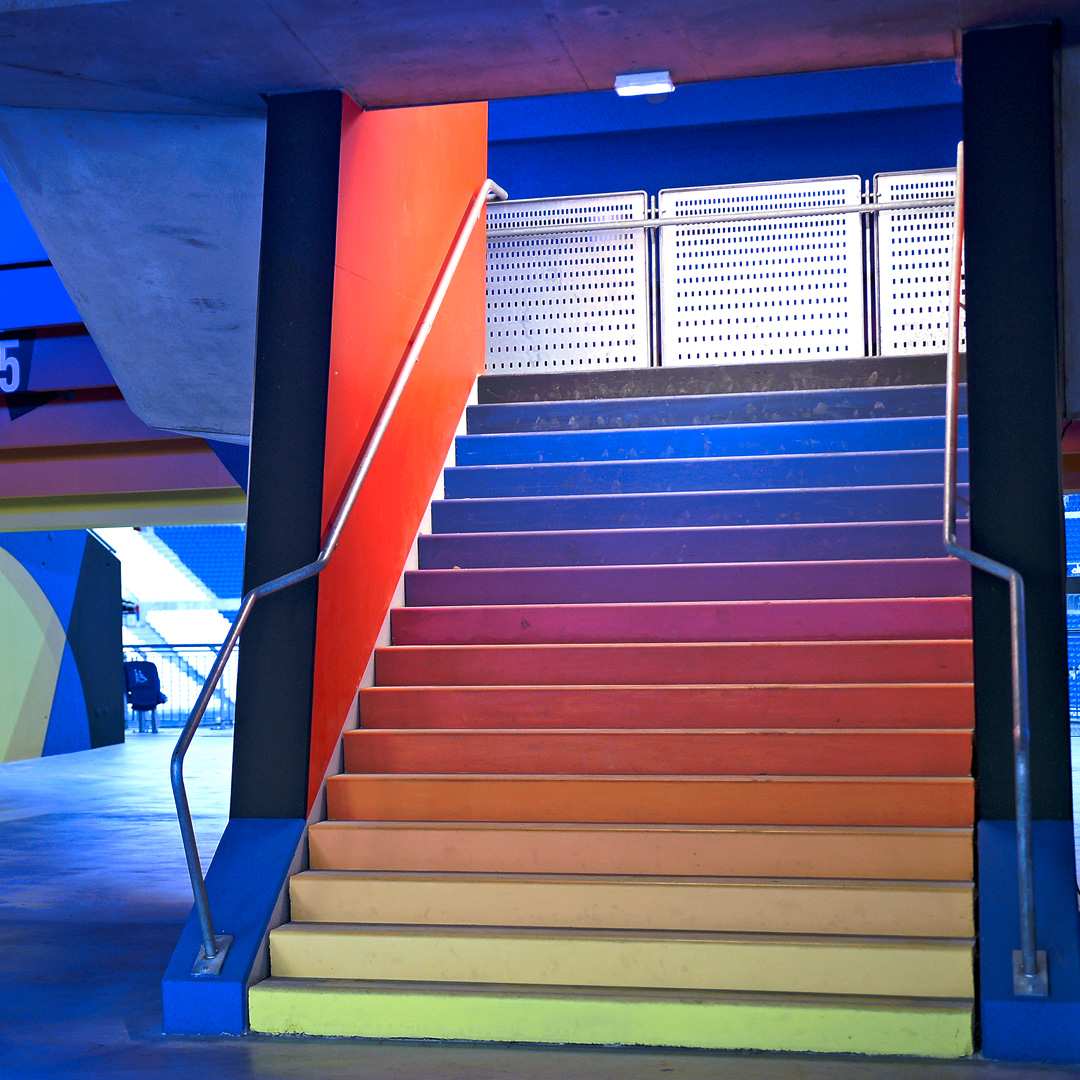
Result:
{"points": [[182, 670], [1030, 976], [215, 946]]}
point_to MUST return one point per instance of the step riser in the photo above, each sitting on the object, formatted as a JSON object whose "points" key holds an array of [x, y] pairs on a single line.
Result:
{"points": [[728, 662], [693, 508], [661, 753], [927, 705], [785, 375], [732, 544], [936, 970], [904, 619], [795, 908], [755, 440], [712, 474], [283, 1007], [691, 583], [686, 410], [635, 800], [871, 854]]}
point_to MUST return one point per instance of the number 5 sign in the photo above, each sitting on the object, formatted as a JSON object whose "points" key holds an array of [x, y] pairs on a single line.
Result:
{"points": [[10, 371]]}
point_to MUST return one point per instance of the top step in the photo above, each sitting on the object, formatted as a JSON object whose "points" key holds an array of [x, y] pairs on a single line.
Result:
{"points": [[578, 385], [695, 410]]}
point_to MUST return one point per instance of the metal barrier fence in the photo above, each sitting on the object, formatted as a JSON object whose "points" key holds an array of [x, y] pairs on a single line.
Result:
{"points": [[182, 670], [726, 274], [1074, 676], [560, 300]]}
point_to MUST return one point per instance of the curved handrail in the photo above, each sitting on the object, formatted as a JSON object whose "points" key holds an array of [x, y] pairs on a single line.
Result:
{"points": [[1030, 975], [214, 946]]}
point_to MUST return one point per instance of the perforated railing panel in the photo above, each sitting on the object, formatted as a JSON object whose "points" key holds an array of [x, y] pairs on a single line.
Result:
{"points": [[914, 264], [767, 289], [571, 300]]}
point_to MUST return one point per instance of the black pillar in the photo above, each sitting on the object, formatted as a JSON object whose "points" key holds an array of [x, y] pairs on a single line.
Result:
{"points": [[288, 433], [1014, 402]]}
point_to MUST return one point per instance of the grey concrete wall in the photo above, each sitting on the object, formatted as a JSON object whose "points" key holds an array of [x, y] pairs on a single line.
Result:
{"points": [[153, 223], [1070, 224]]}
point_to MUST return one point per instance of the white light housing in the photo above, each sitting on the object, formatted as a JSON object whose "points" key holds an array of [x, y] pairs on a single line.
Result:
{"points": [[644, 82]]}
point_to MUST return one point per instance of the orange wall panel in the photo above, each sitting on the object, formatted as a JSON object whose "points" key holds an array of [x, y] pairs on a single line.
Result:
{"points": [[407, 176]]}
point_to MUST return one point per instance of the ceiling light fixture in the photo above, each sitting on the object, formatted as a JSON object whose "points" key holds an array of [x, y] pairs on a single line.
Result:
{"points": [[644, 82]]}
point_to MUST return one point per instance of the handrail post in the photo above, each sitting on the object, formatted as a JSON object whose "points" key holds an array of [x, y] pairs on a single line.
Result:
{"points": [[1030, 973], [214, 947]]}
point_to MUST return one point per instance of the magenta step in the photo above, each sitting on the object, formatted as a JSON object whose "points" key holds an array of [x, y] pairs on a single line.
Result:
{"points": [[740, 620], [690, 582]]}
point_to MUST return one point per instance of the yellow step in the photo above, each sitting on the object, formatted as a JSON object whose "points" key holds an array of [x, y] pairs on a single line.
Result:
{"points": [[723, 904], [943, 854], [707, 1020], [915, 967]]}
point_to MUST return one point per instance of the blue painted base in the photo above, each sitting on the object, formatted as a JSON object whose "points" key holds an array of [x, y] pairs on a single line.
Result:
{"points": [[1017, 1028], [243, 884]]}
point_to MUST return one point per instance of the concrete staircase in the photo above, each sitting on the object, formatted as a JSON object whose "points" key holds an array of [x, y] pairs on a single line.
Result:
{"points": [[673, 744]]}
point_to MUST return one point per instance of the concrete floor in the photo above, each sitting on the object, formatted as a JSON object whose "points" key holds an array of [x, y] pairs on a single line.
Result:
{"points": [[92, 895]]}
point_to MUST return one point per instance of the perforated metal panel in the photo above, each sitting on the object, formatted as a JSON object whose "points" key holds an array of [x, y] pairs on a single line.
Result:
{"points": [[571, 300], [767, 289], [914, 264]]}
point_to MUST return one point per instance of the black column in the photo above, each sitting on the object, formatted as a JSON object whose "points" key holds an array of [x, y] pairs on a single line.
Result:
{"points": [[1014, 402], [288, 434]]}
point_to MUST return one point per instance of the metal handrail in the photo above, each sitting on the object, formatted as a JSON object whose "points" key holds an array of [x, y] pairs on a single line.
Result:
{"points": [[214, 946], [1030, 975], [497, 230]]}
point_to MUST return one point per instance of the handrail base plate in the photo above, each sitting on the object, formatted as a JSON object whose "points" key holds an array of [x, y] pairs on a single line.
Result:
{"points": [[1037, 985], [212, 966]]}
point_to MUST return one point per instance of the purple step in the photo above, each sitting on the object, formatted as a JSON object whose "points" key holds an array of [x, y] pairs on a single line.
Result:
{"points": [[913, 502], [729, 544], [824, 580]]}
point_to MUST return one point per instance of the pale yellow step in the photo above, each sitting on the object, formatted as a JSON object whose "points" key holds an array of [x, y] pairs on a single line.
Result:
{"points": [[711, 1020], [891, 967], [941, 854], [929, 909]]}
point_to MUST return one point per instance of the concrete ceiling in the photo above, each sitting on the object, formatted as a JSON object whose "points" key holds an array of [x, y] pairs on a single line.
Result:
{"points": [[217, 56]]}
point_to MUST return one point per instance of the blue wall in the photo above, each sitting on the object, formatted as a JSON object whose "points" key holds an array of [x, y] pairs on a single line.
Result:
{"points": [[822, 124], [30, 295]]}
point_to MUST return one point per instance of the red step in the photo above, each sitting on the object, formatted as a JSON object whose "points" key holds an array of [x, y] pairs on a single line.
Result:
{"points": [[893, 705], [673, 752], [742, 620], [739, 662]]}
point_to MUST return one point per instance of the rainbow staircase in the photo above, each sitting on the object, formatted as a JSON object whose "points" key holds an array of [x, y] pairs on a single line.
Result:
{"points": [[673, 744]]}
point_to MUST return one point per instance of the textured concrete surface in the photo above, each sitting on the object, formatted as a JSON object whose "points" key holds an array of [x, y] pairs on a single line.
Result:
{"points": [[205, 56], [153, 224], [92, 895]]}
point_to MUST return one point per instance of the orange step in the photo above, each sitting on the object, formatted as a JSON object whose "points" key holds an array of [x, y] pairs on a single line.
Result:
{"points": [[893, 705], [758, 800], [741, 662], [868, 752], [794, 851]]}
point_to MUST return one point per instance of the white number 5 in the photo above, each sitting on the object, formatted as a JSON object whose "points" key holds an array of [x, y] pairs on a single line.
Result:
{"points": [[10, 374]]}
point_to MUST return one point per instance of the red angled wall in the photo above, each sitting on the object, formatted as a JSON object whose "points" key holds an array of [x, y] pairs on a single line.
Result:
{"points": [[407, 176]]}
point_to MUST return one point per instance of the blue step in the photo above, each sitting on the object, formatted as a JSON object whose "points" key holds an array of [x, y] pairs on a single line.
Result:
{"points": [[727, 544], [687, 410], [736, 440], [888, 467], [703, 508]]}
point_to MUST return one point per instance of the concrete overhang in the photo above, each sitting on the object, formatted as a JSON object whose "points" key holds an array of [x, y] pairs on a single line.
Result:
{"points": [[208, 56]]}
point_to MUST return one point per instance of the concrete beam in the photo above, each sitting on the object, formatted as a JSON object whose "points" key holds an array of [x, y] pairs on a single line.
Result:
{"points": [[153, 223]]}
